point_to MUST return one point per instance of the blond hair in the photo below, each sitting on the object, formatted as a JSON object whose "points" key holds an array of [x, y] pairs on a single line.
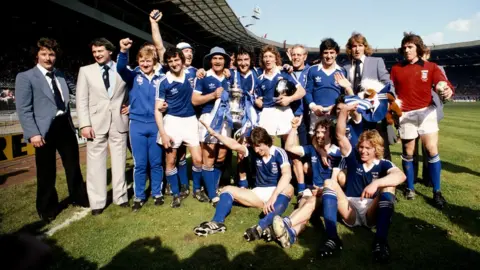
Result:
{"points": [[374, 138], [301, 47], [147, 52]]}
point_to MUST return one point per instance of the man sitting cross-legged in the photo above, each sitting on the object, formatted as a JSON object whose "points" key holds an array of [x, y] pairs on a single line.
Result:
{"points": [[272, 192], [286, 229], [369, 190]]}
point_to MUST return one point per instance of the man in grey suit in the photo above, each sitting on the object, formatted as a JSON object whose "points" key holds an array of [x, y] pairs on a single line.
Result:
{"points": [[43, 110], [100, 95], [363, 66]]}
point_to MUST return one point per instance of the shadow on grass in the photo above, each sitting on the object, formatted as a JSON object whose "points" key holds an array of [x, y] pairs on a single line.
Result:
{"points": [[466, 218], [25, 250], [4, 177], [415, 244]]}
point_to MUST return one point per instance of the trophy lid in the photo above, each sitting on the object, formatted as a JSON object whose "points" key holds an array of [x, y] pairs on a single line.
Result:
{"points": [[284, 88]]}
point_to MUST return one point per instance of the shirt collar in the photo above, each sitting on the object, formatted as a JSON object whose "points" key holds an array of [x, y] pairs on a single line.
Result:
{"points": [[320, 66], [246, 75], [211, 73], [277, 71], [376, 161], [171, 78], [157, 70], [109, 64], [272, 150], [362, 59], [43, 70], [420, 62]]}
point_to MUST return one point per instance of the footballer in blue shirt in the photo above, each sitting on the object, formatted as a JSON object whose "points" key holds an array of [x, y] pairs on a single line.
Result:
{"points": [[272, 192], [179, 125], [207, 93], [369, 196], [325, 83], [277, 113]]}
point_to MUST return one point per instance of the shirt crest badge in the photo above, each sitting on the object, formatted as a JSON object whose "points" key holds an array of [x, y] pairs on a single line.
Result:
{"points": [[424, 75], [274, 168], [139, 80]]}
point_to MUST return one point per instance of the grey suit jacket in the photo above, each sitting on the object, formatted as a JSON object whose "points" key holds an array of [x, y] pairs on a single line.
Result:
{"points": [[373, 68], [35, 102]]}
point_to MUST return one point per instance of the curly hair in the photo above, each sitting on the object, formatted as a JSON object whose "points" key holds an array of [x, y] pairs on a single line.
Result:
{"points": [[173, 52], [46, 43], [357, 38], [374, 138], [242, 51], [329, 125], [272, 49], [416, 40]]}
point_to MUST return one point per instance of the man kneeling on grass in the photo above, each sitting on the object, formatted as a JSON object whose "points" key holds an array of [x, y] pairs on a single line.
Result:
{"points": [[272, 192]]}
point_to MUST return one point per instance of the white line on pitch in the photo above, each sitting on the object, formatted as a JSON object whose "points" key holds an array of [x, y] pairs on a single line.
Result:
{"points": [[75, 217]]}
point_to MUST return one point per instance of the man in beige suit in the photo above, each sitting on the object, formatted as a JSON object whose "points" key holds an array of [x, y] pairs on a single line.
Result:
{"points": [[100, 93]]}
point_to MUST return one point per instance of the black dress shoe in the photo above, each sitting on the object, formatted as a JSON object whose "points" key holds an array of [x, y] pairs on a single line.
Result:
{"points": [[81, 204], [47, 218], [96, 212], [124, 205]]}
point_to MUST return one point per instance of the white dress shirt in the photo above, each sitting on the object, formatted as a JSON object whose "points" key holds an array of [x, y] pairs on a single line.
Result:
{"points": [[49, 80]]}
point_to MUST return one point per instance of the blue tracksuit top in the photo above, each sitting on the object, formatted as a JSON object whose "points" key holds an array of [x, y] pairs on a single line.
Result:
{"points": [[141, 90]]}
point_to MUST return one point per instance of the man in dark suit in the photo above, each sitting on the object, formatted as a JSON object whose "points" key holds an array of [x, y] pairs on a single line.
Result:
{"points": [[363, 66], [42, 97]]}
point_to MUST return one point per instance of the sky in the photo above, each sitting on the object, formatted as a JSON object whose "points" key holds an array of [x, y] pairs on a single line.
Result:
{"points": [[307, 22]]}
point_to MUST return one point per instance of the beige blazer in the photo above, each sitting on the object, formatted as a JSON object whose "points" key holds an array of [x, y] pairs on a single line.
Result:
{"points": [[94, 107]]}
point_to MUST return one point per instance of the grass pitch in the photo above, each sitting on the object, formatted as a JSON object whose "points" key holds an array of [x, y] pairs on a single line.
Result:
{"points": [[161, 237]]}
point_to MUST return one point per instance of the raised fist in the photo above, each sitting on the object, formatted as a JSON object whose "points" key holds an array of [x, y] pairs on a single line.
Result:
{"points": [[125, 44]]}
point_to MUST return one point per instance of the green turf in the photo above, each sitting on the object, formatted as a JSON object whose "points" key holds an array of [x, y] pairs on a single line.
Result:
{"points": [[161, 237]]}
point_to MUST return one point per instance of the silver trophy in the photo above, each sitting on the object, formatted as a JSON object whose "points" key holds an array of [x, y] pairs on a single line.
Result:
{"points": [[235, 101]]}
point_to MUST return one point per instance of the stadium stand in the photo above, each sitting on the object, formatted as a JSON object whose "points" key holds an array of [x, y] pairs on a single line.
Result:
{"points": [[196, 22]]}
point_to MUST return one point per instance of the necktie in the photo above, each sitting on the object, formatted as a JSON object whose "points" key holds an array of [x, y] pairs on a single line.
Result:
{"points": [[358, 77], [106, 79], [56, 93]]}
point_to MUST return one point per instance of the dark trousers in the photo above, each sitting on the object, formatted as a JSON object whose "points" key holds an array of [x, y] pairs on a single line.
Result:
{"points": [[382, 129], [60, 137]]}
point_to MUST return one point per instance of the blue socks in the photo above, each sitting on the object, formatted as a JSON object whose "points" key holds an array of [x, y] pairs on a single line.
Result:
{"points": [[223, 207], [434, 168], [301, 187], [210, 183], [407, 164], [243, 183], [182, 172], [197, 178], [280, 206], [384, 215], [172, 178], [330, 205], [217, 169]]}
